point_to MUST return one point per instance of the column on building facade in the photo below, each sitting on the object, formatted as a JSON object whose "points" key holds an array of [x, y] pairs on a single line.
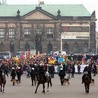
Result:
{"points": [[93, 33]]}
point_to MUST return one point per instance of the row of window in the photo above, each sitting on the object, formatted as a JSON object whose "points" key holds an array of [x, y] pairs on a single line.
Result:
{"points": [[66, 48], [11, 33], [27, 32]]}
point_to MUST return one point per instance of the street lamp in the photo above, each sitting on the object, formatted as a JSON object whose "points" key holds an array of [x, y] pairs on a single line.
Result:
{"points": [[11, 48], [89, 39], [63, 31], [61, 41]]}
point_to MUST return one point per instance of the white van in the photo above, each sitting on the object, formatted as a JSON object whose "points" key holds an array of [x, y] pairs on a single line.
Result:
{"points": [[5, 55]]}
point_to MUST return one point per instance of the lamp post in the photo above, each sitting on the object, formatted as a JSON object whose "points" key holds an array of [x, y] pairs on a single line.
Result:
{"points": [[61, 41], [89, 39], [63, 29], [61, 37], [12, 48]]}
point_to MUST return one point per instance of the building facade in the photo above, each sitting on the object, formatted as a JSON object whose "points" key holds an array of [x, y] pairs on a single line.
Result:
{"points": [[47, 28]]}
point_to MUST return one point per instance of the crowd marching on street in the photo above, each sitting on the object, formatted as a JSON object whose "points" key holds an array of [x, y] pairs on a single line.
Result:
{"points": [[32, 67]]}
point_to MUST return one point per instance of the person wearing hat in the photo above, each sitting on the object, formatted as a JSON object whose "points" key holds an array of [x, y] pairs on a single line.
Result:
{"points": [[61, 75]]}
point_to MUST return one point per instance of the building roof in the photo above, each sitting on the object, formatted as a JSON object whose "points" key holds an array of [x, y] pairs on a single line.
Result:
{"points": [[66, 9]]}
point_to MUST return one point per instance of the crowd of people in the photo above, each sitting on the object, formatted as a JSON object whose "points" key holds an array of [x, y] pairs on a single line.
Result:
{"points": [[32, 67]]}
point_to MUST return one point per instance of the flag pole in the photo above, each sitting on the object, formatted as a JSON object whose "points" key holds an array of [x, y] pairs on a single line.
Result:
{"points": [[61, 42], [38, 3]]}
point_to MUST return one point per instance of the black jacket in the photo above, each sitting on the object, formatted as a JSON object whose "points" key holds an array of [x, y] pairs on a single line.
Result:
{"points": [[13, 73], [19, 72], [32, 73], [42, 70], [61, 73], [0, 72]]}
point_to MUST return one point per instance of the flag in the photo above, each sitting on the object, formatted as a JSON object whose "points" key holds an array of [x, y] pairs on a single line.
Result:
{"points": [[31, 56], [21, 56], [18, 55], [60, 59], [84, 56], [28, 55], [41, 3], [82, 60], [67, 59], [64, 57], [71, 58], [51, 61]]}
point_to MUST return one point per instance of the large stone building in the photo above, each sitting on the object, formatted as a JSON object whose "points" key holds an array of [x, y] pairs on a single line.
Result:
{"points": [[47, 28]]}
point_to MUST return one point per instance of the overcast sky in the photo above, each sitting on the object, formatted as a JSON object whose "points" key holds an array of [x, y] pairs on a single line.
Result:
{"points": [[90, 5]]}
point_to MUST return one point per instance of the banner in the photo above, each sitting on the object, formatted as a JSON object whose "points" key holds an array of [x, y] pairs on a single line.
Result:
{"points": [[16, 59], [51, 61], [61, 60]]}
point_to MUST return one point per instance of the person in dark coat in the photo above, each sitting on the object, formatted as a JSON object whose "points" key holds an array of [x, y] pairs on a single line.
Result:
{"points": [[42, 72], [51, 71], [87, 70], [6, 70], [78, 67], [94, 69], [32, 75], [13, 73], [61, 75], [1, 77], [19, 73], [72, 70]]}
